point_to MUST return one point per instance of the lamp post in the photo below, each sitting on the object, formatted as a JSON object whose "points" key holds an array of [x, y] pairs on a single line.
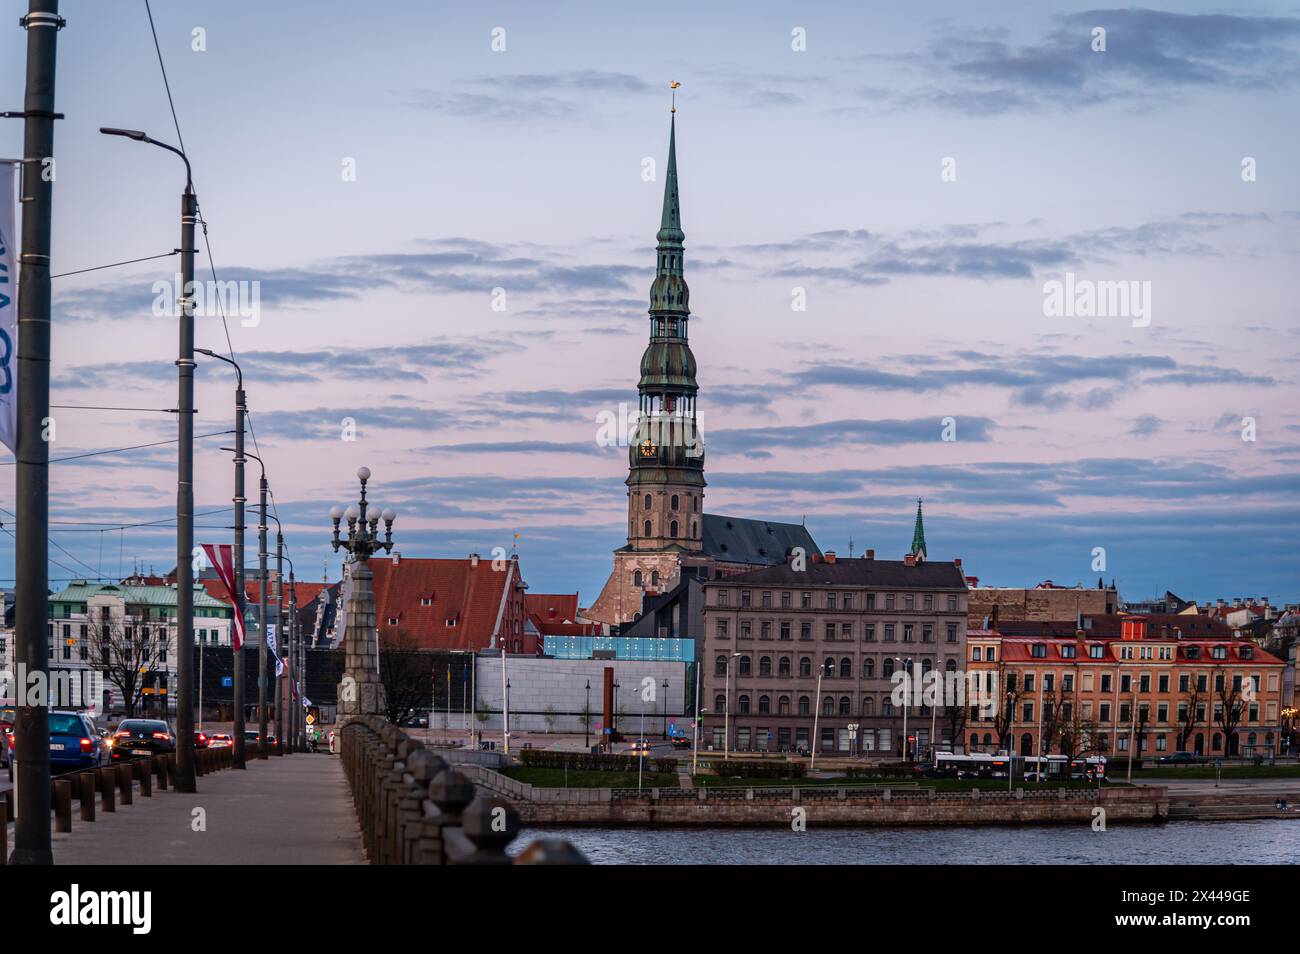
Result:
{"points": [[907, 698], [613, 716], [665, 719], [279, 636], [290, 728], [184, 475], [586, 722], [726, 713], [237, 681], [261, 609], [361, 692]]}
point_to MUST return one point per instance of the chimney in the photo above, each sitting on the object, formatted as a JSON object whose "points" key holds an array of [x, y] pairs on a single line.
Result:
{"points": [[397, 557], [957, 562], [473, 559], [909, 560], [871, 554], [830, 556], [993, 617]]}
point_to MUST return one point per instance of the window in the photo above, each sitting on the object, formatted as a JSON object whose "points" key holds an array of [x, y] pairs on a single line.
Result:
{"points": [[952, 632], [889, 632], [909, 602], [952, 604], [846, 631], [1096, 651], [783, 708], [1068, 652], [988, 656], [785, 629], [673, 504], [785, 600], [828, 706], [742, 704], [805, 600], [764, 705], [830, 601], [887, 670], [805, 707], [767, 599], [648, 533], [746, 629], [646, 507], [744, 598], [830, 631], [765, 629], [765, 666], [871, 601], [868, 669], [672, 529], [869, 633], [805, 666], [805, 630], [1038, 650], [744, 666], [927, 633], [783, 666], [721, 631], [846, 668], [828, 668], [975, 654], [889, 601], [846, 707], [724, 597]]}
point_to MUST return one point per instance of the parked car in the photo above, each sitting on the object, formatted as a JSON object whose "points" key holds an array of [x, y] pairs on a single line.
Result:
{"points": [[251, 737], [220, 740], [200, 740], [1180, 758], [142, 737], [74, 741], [6, 733]]}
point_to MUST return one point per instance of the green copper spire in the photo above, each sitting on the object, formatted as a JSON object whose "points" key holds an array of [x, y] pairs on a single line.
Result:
{"points": [[918, 534], [670, 224]]}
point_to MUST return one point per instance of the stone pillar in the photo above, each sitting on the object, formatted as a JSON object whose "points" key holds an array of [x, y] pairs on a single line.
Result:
{"points": [[360, 692]]}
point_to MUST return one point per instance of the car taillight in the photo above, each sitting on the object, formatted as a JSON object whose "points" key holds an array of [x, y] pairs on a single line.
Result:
{"points": [[124, 734], [162, 735], [87, 745]]}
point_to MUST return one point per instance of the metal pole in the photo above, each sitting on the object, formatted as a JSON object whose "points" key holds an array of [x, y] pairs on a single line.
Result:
{"points": [[239, 597], [817, 711], [279, 637], [32, 507], [185, 504], [695, 735], [505, 703], [726, 713], [291, 672], [586, 729], [261, 617]]}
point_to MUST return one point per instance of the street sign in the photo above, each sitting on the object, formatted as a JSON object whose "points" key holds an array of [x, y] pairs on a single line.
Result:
{"points": [[311, 719]]}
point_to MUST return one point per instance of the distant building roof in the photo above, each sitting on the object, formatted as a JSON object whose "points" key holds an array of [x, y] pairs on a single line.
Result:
{"points": [[860, 571], [79, 591], [753, 542]]}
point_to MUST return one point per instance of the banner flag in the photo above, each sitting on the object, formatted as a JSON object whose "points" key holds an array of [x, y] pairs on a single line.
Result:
{"points": [[270, 644], [221, 556], [8, 311]]}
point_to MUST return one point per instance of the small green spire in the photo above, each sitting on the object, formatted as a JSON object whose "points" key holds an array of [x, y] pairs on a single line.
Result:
{"points": [[670, 223], [918, 534]]}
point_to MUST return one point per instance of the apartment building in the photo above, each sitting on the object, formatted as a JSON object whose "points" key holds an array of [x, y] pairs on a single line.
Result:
{"points": [[794, 658], [1147, 691]]}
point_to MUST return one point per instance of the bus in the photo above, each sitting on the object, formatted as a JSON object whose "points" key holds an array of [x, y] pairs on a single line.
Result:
{"points": [[971, 765]]}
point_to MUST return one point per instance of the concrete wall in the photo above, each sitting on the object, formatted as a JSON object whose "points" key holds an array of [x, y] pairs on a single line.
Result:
{"points": [[539, 684]]}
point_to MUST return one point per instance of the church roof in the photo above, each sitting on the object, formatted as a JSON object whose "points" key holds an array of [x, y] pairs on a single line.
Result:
{"points": [[756, 542]]}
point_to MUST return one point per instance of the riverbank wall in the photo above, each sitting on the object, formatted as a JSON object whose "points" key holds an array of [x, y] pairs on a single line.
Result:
{"points": [[823, 805]]}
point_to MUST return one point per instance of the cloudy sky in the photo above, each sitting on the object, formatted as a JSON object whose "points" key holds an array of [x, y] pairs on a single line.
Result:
{"points": [[916, 174]]}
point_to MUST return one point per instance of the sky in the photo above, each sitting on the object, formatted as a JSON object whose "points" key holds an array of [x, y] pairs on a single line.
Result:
{"points": [[449, 214]]}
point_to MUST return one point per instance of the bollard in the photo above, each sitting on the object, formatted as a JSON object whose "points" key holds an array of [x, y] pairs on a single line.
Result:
{"points": [[86, 793], [146, 780], [200, 763], [107, 798], [160, 772], [124, 787], [170, 761], [4, 831], [61, 797]]}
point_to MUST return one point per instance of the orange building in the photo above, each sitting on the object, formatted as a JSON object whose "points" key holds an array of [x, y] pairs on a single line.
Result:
{"points": [[1147, 691]]}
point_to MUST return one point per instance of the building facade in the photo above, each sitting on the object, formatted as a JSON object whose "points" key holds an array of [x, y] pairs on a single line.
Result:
{"points": [[800, 657], [1147, 691]]}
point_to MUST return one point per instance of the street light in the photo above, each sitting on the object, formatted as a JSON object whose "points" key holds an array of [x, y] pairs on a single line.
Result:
{"points": [[907, 698], [241, 408], [726, 713], [586, 722], [261, 609], [665, 719], [184, 474], [279, 633], [362, 691]]}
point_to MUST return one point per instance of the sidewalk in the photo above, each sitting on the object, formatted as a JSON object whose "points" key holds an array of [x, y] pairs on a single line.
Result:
{"points": [[293, 810]]}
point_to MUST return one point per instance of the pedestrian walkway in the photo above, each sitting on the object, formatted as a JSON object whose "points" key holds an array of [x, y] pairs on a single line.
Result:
{"points": [[282, 811]]}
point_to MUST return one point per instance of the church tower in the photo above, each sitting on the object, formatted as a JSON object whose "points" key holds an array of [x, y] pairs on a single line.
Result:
{"points": [[665, 481]]}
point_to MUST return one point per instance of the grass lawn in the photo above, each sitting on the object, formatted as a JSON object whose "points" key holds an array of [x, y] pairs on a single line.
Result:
{"points": [[1173, 773], [938, 784], [556, 778]]}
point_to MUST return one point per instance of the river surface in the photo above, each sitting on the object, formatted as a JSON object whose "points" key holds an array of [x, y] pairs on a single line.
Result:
{"points": [[1241, 842]]}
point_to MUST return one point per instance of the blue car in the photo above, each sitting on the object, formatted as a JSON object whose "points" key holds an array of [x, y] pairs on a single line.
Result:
{"points": [[74, 742]]}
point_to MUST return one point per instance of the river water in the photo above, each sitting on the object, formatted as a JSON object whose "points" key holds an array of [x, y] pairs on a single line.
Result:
{"points": [[1243, 842]]}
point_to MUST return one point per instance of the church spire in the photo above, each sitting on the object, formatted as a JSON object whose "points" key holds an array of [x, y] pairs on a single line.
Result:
{"points": [[670, 223], [918, 534]]}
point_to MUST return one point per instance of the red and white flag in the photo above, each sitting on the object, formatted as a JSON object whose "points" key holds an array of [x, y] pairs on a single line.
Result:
{"points": [[222, 559]]}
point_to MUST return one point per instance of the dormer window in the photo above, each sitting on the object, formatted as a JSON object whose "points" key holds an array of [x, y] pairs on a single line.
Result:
{"points": [[451, 623], [392, 621], [426, 601], [1247, 652]]}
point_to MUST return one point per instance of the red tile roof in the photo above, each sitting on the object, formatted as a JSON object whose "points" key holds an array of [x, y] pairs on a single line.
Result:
{"points": [[451, 604], [556, 614]]}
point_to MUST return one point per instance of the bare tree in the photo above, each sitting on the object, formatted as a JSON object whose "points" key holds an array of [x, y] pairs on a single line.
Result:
{"points": [[129, 654], [1010, 691], [407, 674], [1231, 706], [1193, 697]]}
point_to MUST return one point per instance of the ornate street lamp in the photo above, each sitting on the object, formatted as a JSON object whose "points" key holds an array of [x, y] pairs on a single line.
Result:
{"points": [[361, 692]]}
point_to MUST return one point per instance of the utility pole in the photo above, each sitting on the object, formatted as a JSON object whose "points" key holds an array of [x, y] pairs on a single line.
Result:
{"points": [[261, 617], [238, 597], [32, 506], [279, 636]]}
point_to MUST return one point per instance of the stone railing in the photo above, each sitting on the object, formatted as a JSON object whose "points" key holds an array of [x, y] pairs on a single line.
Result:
{"points": [[413, 809]]}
